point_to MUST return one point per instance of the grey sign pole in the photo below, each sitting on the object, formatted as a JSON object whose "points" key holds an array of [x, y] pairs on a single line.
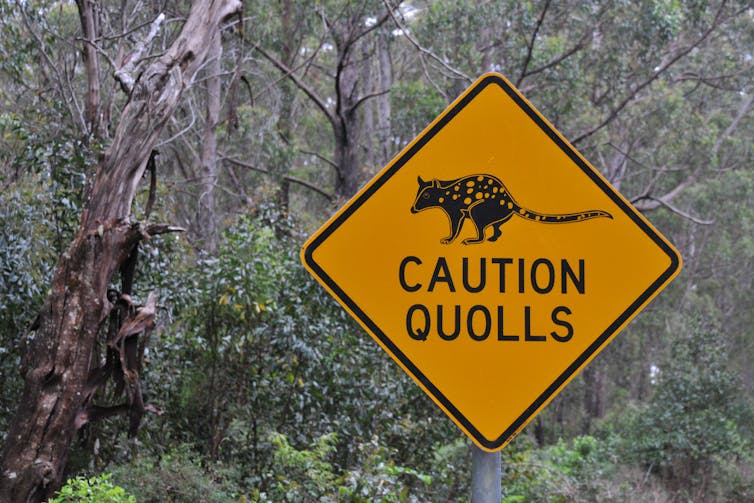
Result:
{"points": [[485, 476]]}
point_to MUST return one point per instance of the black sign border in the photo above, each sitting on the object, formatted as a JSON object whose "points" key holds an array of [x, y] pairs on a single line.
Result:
{"points": [[376, 184]]}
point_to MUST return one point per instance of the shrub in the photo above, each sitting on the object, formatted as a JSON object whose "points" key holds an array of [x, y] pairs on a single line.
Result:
{"points": [[580, 470], [96, 489], [693, 421], [177, 476]]}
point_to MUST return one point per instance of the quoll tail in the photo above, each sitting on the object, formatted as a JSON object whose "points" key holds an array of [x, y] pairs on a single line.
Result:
{"points": [[561, 218]]}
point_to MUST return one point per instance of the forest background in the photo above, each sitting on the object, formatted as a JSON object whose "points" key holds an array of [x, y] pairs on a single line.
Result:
{"points": [[249, 383]]}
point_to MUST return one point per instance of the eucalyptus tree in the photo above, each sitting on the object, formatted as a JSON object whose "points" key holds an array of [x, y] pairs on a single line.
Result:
{"points": [[61, 366], [330, 71]]}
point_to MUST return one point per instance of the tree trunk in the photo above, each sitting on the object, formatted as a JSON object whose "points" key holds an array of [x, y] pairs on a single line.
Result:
{"points": [[593, 395], [368, 126], [347, 159], [206, 217], [60, 368], [90, 27], [384, 111], [348, 129], [289, 24]]}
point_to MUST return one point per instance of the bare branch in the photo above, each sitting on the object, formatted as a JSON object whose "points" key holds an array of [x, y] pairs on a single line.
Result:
{"points": [[100, 51], [647, 194], [367, 97], [48, 60], [79, 112], [155, 229], [289, 178], [660, 70], [94, 413], [715, 80], [559, 59], [152, 102], [319, 102], [745, 107], [126, 33], [530, 45], [655, 203], [405, 31], [429, 78], [373, 27], [124, 74], [648, 202], [182, 131], [321, 158]]}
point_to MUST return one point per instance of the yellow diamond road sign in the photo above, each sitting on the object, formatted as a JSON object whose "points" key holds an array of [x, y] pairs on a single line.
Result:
{"points": [[491, 261]]}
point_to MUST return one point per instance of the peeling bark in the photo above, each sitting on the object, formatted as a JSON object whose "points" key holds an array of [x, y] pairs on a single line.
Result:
{"points": [[60, 367]]}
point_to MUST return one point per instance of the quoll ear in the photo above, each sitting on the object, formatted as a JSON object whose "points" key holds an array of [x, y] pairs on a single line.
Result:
{"points": [[435, 183], [421, 182]]}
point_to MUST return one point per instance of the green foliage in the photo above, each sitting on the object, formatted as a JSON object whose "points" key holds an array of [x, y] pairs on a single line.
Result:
{"points": [[57, 162], [15, 49], [309, 475], [377, 477], [303, 475], [693, 421], [26, 265], [269, 352], [176, 476], [415, 105], [25, 261], [97, 489], [726, 257], [579, 470]]}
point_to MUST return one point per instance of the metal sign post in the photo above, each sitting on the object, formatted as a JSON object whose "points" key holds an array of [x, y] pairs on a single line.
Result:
{"points": [[485, 476]]}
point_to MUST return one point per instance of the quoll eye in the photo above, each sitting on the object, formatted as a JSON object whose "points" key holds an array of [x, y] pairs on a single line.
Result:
{"points": [[425, 195]]}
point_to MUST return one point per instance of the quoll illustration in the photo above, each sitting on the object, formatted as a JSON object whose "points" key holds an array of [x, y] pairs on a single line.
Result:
{"points": [[485, 201]]}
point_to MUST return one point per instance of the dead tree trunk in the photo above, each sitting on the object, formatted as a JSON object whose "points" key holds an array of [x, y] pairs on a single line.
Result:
{"points": [[60, 366]]}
